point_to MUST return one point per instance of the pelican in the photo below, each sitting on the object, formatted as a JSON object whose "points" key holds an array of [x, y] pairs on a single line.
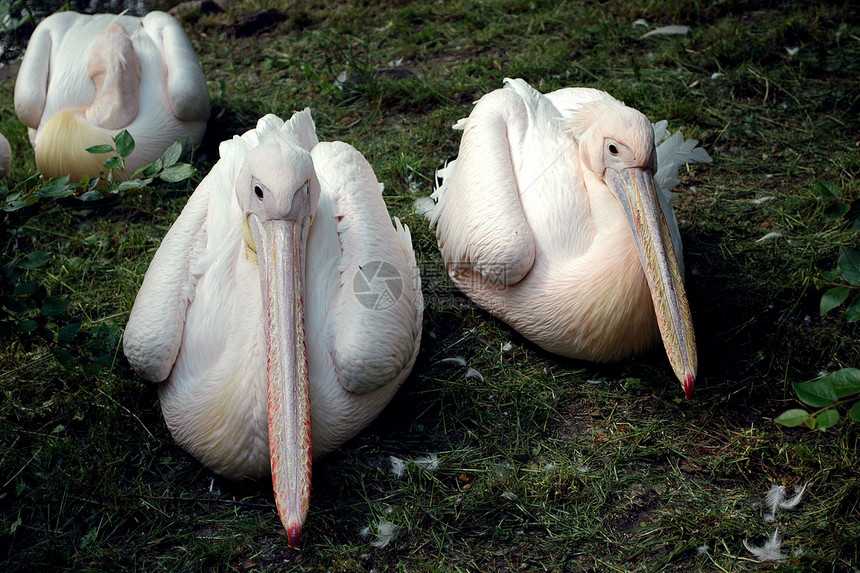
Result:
{"points": [[282, 309], [550, 218], [84, 78], [5, 156]]}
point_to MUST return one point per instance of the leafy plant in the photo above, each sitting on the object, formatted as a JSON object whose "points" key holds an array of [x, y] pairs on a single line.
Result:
{"points": [[165, 168], [824, 393], [847, 272], [26, 309]]}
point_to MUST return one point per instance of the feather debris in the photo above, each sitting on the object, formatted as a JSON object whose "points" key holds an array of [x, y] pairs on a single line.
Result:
{"points": [[429, 463], [460, 361], [667, 31], [770, 551], [771, 235], [385, 533]]}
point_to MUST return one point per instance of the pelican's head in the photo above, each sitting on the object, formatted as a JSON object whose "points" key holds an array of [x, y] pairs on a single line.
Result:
{"points": [[617, 145], [114, 68], [278, 193]]}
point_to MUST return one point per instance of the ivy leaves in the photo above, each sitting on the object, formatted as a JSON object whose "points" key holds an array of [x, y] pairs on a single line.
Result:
{"points": [[824, 393]]}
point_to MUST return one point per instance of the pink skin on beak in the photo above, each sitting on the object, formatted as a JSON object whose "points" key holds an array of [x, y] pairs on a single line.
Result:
{"points": [[281, 260], [634, 187]]}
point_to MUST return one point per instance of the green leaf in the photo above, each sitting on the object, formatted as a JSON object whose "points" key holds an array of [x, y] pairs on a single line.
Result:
{"points": [[172, 155], [792, 418], [124, 143], [844, 382], [826, 419], [133, 184], [64, 356], [849, 265], [854, 412], [114, 163], [835, 211], [104, 148], [25, 288], [67, 333], [852, 313], [828, 189], [178, 172], [830, 275], [91, 196], [832, 298], [55, 305], [27, 326], [57, 188], [816, 393], [35, 260]]}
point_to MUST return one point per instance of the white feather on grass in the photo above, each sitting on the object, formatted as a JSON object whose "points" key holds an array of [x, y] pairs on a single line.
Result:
{"points": [[770, 551], [666, 31], [775, 499]]}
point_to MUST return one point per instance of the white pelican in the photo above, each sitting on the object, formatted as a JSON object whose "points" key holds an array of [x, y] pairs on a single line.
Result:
{"points": [[550, 219], [84, 78], [281, 310], [5, 156]]}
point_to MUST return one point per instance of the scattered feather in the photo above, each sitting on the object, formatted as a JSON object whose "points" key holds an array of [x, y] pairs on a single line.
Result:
{"points": [[398, 466], [340, 80], [595, 382], [716, 75], [641, 22], [424, 206], [583, 469], [773, 497], [455, 360], [667, 31], [385, 532], [429, 462], [549, 468], [472, 373], [702, 549], [509, 495], [792, 51], [792, 503], [761, 200], [770, 551], [771, 235], [507, 346]]}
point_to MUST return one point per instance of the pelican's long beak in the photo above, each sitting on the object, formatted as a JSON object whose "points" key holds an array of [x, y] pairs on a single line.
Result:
{"points": [[281, 261], [660, 263]]}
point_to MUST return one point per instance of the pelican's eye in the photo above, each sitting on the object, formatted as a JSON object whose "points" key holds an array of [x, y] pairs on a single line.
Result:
{"points": [[305, 190], [613, 149], [258, 191]]}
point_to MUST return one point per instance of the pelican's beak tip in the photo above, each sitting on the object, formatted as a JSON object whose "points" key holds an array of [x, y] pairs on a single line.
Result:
{"points": [[294, 530], [689, 385]]}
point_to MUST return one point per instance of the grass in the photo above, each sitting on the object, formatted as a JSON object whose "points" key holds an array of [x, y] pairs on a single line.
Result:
{"points": [[540, 468]]}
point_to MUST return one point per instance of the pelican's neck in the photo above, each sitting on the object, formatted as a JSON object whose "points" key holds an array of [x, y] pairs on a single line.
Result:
{"points": [[115, 70]]}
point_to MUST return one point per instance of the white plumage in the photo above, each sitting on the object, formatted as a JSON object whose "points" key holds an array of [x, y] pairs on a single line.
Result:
{"points": [[202, 325], [549, 218], [84, 78]]}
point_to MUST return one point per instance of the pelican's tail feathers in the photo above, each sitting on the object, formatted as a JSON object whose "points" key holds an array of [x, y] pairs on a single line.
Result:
{"points": [[673, 151], [426, 206], [61, 148]]}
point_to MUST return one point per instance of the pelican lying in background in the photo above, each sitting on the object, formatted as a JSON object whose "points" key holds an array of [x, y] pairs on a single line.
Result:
{"points": [[281, 310], [84, 78], [550, 219], [5, 156]]}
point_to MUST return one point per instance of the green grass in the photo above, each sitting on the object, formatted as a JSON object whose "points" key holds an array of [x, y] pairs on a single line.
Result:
{"points": [[539, 469]]}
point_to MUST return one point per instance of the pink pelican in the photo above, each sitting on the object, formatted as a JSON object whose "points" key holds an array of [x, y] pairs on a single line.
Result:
{"points": [[282, 309], [550, 218], [84, 78]]}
